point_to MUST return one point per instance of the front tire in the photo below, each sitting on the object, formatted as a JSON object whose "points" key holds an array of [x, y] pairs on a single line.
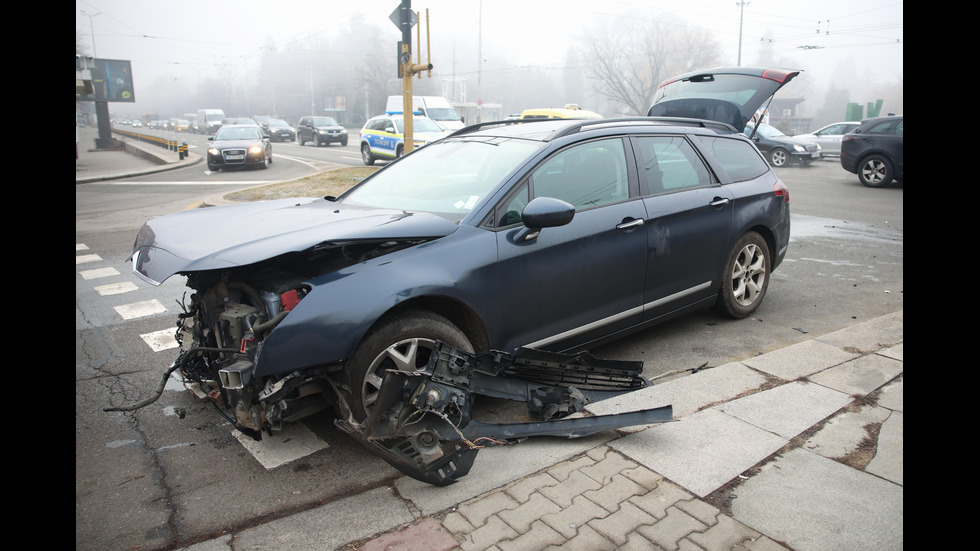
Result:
{"points": [[366, 155], [876, 171], [746, 277], [778, 157], [401, 342]]}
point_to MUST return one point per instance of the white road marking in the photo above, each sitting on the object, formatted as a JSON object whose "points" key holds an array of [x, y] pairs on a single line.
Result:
{"points": [[160, 340], [116, 288], [140, 309], [293, 442], [100, 272], [85, 258]]}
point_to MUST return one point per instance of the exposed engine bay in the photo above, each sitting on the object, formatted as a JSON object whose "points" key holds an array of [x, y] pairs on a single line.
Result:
{"points": [[421, 422]]}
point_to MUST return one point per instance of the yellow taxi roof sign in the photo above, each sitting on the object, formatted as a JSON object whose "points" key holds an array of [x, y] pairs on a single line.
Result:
{"points": [[570, 111]]}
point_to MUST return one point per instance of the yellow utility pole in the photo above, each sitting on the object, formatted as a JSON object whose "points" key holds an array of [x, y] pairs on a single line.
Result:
{"points": [[405, 19]]}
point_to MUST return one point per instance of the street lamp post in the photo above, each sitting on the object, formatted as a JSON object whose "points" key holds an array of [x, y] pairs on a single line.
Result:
{"points": [[104, 141], [741, 13]]}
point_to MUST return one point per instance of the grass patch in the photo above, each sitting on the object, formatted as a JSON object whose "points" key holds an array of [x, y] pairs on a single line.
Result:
{"points": [[329, 182]]}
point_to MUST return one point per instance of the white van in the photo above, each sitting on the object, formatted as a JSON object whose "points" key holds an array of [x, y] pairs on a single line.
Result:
{"points": [[436, 108], [209, 120]]}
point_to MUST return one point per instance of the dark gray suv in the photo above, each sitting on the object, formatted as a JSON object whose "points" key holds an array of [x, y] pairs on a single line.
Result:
{"points": [[320, 131], [875, 151]]}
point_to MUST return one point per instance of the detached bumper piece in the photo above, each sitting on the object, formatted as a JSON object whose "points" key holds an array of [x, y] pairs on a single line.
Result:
{"points": [[421, 422]]}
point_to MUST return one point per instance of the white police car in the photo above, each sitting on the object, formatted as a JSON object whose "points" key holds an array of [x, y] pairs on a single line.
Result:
{"points": [[383, 137]]}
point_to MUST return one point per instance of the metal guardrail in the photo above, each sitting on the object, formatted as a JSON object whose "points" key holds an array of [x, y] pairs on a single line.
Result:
{"points": [[171, 145]]}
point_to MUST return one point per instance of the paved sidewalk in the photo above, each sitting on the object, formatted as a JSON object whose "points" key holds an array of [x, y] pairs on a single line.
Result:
{"points": [[800, 448], [133, 159]]}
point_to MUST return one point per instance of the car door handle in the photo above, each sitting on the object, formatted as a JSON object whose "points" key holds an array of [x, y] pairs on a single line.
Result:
{"points": [[718, 202], [635, 223]]}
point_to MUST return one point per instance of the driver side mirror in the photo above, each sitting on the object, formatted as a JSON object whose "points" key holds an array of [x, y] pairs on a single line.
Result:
{"points": [[543, 212]]}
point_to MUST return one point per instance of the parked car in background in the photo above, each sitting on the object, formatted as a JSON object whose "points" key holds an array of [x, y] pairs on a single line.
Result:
{"points": [[875, 151], [383, 137], [468, 244], [279, 130], [238, 146], [781, 149], [320, 131], [829, 137]]}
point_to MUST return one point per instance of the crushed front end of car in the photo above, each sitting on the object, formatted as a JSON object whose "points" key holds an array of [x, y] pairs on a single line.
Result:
{"points": [[421, 422]]}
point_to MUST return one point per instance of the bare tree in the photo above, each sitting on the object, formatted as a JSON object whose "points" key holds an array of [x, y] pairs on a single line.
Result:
{"points": [[627, 57]]}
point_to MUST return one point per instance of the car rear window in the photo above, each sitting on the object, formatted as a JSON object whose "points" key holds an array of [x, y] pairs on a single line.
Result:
{"points": [[738, 158]]}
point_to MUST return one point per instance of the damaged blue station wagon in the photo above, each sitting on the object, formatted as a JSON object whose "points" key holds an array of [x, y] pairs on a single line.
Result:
{"points": [[483, 263]]}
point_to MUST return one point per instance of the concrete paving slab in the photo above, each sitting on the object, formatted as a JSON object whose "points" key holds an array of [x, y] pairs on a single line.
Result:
{"points": [[495, 467], [787, 410], [701, 452], [800, 360], [812, 503], [428, 535], [896, 352], [869, 336], [889, 460], [844, 433], [330, 526], [860, 376], [686, 394], [892, 395]]}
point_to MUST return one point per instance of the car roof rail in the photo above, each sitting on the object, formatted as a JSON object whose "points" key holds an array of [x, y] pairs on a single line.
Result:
{"points": [[577, 125], [677, 121], [480, 125]]}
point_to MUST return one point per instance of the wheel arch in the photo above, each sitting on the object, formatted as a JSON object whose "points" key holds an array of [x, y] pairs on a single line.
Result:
{"points": [[460, 314]]}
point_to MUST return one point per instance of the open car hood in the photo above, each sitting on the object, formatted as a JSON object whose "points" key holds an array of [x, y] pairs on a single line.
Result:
{"points": [[237, 235], [729, 95]]}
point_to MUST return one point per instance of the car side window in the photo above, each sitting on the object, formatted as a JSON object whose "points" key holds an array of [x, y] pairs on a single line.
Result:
{"points": [[738, 158], [670, 163], [884, 127], [586, 175], [900, 128]]}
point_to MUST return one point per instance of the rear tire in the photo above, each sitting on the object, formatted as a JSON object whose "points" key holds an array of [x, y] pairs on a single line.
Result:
{"points": [[401, 342], [746, 277], [876, 171]]}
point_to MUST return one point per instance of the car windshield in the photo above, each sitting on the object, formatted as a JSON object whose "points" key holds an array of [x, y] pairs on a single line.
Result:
{"points": [[419, 124], [277, 122], [237, 133], [765, 131], [324, 121], [448, 178], [443, 114]]}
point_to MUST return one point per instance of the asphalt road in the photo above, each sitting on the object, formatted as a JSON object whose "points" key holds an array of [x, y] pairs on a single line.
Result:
{"points": [[173, 473]]}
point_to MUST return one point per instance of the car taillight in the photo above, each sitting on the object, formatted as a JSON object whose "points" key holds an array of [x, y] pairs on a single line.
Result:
{"points": [[780, 190]]}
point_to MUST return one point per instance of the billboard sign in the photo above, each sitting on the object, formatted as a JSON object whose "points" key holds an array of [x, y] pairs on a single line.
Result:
{"points": [[112, 80]]}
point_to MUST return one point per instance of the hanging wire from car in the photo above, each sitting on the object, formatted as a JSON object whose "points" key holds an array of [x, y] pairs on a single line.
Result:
{"points": [[182, 358]]}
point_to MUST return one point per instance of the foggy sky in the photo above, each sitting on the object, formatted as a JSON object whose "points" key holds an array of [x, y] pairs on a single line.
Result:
{"points": [[185, 39]]}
